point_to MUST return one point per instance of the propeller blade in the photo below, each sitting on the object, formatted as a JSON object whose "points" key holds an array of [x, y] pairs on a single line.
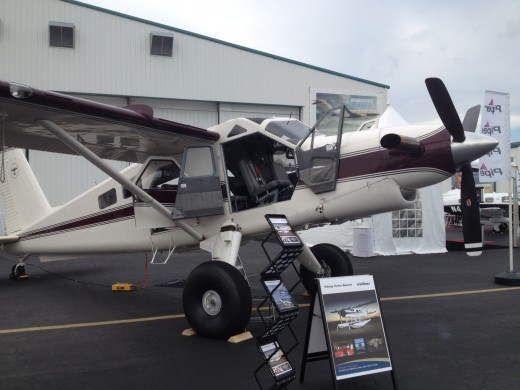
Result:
{"points": [[470, 209], [471, 118], [445, 108]]}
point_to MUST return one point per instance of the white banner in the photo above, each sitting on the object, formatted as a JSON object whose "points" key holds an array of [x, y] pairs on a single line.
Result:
{"points": [[495, 122]]}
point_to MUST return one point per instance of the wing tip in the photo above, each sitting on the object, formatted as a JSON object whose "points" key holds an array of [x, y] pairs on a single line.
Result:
{"points": [[8, 239]]}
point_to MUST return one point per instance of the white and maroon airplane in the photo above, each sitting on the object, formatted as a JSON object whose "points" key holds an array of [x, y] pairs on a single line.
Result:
{"points": [[198, 188]]}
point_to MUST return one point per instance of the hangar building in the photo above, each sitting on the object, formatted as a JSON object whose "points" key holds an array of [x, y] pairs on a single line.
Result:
{"points": [[78, 49]]}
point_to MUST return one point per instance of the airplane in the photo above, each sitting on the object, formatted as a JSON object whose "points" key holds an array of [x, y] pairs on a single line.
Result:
{"points": [[209, 189], [493, 209], [353, 317]]}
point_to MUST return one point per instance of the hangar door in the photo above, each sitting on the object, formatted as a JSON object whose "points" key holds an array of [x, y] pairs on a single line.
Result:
{"points": [[199, 114], [229, 111]]}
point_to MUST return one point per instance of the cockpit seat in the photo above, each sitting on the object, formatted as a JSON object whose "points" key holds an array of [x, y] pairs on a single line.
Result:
{"points": [[261, 191]]}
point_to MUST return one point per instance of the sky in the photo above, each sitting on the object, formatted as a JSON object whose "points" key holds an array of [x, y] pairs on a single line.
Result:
{"points": [[472, 45]]}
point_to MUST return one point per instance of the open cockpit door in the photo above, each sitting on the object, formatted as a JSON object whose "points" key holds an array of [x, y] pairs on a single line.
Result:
{"points": [[318, 153], [159, 178], [199, 193]]}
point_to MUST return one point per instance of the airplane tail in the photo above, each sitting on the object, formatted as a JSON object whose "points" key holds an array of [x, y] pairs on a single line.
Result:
{"points": [[24, 200]]}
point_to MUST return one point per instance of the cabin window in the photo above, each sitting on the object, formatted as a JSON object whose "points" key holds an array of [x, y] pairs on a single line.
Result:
{"points": [[159, 175], [61, 34], [199, 162], [107, 199]]}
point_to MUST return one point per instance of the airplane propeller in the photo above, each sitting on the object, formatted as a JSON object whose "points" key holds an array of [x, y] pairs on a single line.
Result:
{"points": [[469, 206]]}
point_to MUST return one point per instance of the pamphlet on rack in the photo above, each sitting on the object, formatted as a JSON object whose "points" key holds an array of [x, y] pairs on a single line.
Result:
{"points": [[280, 295], [279, 366]]}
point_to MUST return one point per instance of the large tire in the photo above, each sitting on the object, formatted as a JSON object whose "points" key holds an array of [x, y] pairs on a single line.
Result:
{"points": [[335, 260], [217, 300]]}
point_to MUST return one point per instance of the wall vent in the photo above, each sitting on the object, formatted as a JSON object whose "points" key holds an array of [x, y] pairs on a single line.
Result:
{"points": [[161, 44], [61, 34]]}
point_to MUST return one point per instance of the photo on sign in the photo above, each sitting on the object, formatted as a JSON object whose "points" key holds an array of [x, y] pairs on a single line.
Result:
{"points": [[283, 230], [356, 333], [278, 363], [280, 294]]}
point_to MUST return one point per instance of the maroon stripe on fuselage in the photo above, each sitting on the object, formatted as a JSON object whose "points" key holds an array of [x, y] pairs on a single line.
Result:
{"points": [[89, 220]]}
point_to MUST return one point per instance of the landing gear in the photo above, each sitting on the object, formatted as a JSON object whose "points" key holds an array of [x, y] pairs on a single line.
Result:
{"points": [[18, 272], [503, 227], [334, 261], [217, 300]]}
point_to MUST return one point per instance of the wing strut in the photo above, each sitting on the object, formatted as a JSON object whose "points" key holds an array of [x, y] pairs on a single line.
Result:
{"points": [[82, 150]]}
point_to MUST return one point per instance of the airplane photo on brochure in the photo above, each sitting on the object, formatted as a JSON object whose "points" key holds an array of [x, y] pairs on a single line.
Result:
{"points": [[194, 188]]}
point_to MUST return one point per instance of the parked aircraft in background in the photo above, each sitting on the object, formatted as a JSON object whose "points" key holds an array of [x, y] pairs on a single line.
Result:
{"points": [[197, 188], [494, 208]]}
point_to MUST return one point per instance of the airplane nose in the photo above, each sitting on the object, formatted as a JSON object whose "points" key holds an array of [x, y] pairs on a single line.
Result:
{"points": [[474, 146]]}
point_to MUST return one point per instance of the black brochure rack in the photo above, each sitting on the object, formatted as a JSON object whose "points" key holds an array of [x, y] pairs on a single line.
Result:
{"points": [[281, 309]]}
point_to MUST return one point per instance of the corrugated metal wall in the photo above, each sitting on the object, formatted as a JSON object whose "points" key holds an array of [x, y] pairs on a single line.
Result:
{"points": [[63, 177]]}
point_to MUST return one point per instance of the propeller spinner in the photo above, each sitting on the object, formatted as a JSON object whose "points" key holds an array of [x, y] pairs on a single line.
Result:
{"points": [[464, 149]]}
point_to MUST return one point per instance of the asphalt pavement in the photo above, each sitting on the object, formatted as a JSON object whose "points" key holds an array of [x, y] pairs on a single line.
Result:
{"points": [[449, 326]]}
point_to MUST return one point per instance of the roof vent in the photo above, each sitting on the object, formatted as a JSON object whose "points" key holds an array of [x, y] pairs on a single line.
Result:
{"points": [[61, 34], [161, 44]]}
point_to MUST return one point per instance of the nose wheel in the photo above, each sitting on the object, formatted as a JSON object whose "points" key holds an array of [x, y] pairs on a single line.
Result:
{"points": [[335, 262]]}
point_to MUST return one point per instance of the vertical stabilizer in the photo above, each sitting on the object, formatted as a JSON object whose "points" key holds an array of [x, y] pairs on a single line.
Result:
{"points": [[24, 200]]}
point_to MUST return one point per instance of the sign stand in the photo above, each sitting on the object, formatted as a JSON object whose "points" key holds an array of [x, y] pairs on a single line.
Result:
{"points": [[315, 347], [345, 325], [511, 278]]}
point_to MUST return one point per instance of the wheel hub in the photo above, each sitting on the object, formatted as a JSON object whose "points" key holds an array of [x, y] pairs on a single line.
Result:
{"points": [[211, 302], [326, 270]]}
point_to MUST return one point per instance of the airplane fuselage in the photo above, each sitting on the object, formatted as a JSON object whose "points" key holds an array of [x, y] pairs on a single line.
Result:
{"points": [[370, 179]]}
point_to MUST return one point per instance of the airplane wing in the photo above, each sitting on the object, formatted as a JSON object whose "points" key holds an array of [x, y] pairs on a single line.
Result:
{"points": [[492, 212], [125, 134]]}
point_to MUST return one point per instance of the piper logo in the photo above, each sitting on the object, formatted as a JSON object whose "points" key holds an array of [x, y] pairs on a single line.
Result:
{"points": [[489, 130], [492, 107], [494, 152], [489, 172]]}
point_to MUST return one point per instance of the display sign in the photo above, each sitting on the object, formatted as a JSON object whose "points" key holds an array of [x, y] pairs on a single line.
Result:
{"points": [[353, 326], [495, 121], [283, 230]]}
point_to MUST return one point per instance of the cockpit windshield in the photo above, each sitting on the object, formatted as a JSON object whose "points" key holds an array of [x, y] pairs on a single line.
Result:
{"points": [[328, 124], [291, 130], [294, 131]]}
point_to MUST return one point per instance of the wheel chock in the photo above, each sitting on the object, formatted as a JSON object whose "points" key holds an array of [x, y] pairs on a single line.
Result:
{"points": [[189, 332], [240, 337], [123, 287]]}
